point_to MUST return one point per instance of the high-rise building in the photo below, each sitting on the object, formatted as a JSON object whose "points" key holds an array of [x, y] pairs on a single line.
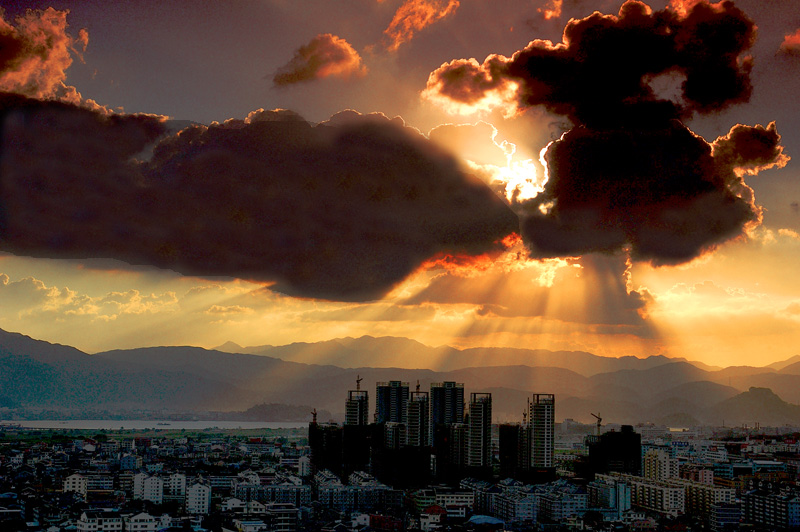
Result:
{"points": [[619, 452], [447, 403], [325, 443], [657, 464], [479, 430], [391, 402], [418, 431], [394, 435], [542, 417], [508, 442], [356, 408]]}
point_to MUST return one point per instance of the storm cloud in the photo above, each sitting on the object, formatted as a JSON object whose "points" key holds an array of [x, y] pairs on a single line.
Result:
{"points": [[343, 210], [630, 175]]}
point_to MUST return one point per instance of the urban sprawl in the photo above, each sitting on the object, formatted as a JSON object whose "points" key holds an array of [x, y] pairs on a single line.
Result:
{"points": [[421, 460]]}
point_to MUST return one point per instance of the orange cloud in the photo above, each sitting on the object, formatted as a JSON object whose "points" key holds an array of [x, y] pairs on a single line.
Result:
{"points": [[466, 264], [35, 53], [552, 9], [414, 16], [791, 44], [325, 56]]}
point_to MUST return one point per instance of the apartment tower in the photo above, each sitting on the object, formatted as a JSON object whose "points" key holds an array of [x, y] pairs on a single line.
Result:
{"points": [[391, 402], [542, 417], [479, 430]]}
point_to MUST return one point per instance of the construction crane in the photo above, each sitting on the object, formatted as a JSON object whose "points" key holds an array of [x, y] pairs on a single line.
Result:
{"points": [[314, 413], [358, 382], [599, 419]]}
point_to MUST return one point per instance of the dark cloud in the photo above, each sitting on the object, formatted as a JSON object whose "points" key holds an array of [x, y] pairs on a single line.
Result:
{"points": [[343, 210], [630, 175], [750, 149], [666, 194], [325, 56], [600, 74]]}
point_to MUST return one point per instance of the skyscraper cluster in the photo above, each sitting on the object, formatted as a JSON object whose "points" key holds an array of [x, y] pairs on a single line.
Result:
{"points": [[430, 435]]}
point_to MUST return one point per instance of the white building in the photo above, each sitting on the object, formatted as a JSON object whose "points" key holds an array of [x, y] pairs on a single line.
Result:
{"points": [[198, 498], [304, 466], [153, 490], [177, 486], [141, 522], [76, 483], [99, 521], [138, 485]]}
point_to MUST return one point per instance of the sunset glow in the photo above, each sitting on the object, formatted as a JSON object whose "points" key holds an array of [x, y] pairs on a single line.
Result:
{"points": [[276, 172]]}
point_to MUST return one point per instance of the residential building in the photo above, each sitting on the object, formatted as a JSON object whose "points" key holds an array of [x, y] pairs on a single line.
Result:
{"points": [[542, 417], [391, 400], [141, 522], [198, 498], [479, 431], [282, 517], [447, 403], [773, 507], [657, 464], [99, 521], [356, 408], [418, 433], [76, 483]]}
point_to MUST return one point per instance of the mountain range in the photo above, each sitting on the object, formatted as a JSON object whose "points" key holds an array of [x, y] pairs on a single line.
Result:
{"points": [[40, 375]]}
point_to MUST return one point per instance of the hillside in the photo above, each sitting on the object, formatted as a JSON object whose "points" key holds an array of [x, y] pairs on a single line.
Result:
{"points": [[40, 375]]}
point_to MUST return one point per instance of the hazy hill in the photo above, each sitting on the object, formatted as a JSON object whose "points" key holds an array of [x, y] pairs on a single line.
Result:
{"points": [[387, 352], [782, 364], [757, 405], [36, 374], [653, 380], [791, 369], [700, 393]]}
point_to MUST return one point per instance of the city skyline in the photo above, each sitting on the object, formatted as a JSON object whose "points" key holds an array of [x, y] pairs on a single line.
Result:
{"points": [[533, 199]]}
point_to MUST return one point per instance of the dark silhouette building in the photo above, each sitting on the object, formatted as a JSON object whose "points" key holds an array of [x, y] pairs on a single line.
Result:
{"points": [[356, 408], [615, 451], [325, 442], [418, 432], [391, 402], [447, 403]]}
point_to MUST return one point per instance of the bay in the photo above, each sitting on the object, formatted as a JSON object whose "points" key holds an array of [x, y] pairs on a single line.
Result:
{"points": [[134, 424]]}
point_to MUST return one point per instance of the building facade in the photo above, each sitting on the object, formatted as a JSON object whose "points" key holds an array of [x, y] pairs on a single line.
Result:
{"points": [[391, 402], [479, 430], [542, 417]]}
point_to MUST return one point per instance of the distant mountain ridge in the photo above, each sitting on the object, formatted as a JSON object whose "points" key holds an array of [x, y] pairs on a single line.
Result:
{"points": [[36, 374], [388, 352]]}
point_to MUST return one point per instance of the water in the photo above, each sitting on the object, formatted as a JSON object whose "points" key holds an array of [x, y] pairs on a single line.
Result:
{"points": [[138, 424]]}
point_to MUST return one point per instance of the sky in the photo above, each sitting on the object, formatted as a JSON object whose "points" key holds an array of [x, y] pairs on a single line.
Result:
{"points": [[564, 174]]}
